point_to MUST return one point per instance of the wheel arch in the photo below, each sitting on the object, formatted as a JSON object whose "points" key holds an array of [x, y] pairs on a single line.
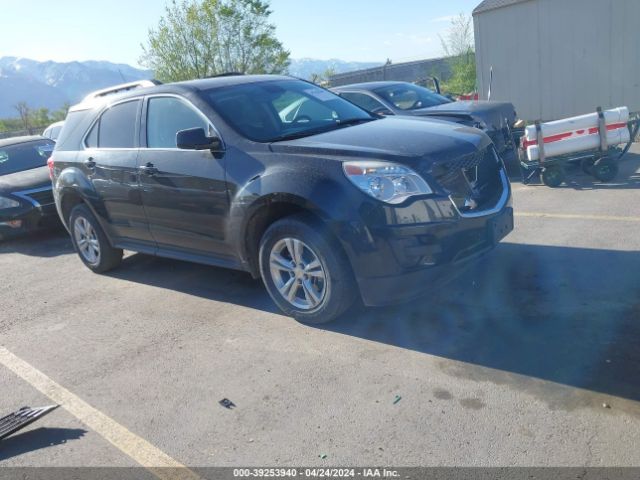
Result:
{"points": [[265, 212], [73, 188]]}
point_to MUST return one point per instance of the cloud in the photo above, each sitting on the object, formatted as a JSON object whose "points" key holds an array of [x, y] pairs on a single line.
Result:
{"points": [[445, 18]]}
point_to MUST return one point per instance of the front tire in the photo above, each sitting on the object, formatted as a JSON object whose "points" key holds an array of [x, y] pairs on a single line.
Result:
{"points": [[90, 242], [305, 270]]}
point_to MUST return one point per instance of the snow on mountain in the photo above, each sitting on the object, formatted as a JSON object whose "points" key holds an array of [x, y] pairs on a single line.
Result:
{"points": [[50, 84]]}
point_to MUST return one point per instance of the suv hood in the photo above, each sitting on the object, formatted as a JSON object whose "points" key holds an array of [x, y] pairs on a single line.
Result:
{"points": [[25, 180], [491, 113], [391, 138]]}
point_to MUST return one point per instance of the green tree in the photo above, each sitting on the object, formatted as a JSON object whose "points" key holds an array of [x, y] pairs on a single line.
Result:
{"points": [[40, 117], [458, 45], [61, 113], [200, 38], [25, 114], [322, 79]]}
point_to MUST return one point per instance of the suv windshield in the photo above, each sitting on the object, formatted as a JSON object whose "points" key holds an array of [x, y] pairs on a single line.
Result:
{"points": [[410, 97], [25, 156], [283, 109]]}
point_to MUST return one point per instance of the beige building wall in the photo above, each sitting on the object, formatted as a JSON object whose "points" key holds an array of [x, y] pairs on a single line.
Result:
{"points": [[558, 58]]}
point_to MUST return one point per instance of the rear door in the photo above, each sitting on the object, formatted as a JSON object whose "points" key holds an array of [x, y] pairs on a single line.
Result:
{"points": [[110, 162], [184, 191]]}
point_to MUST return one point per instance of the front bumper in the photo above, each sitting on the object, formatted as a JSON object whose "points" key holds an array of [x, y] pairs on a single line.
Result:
{"points": [[439, 253], [397, 261], [30, 215]]}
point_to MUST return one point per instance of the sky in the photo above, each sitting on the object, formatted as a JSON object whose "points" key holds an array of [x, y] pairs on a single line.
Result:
{"points": [[352, 30]]}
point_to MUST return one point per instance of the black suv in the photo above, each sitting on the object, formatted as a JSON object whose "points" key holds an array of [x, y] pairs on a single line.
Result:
{"points": [[283, 179]]}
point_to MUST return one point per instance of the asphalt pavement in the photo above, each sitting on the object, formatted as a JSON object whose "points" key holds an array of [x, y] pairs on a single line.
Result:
{"points": [[530, 359]]}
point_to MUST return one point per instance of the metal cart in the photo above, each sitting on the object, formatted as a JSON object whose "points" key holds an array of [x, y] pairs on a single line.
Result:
{"points": [[601, 163]]}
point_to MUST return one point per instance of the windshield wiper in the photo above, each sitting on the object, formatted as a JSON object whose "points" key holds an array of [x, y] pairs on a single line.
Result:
{"points": [[302, 134], [307, 133], [354, 121]]}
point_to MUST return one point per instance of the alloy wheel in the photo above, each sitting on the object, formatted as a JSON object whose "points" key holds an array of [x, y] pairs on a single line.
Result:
{"points": [[87, 240], [297, 273]]}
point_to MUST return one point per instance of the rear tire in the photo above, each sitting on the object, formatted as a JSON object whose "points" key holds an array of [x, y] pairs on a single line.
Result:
{"points": [[606, 170], [587, 165], [305, 270], [90, 242], [552, 176]]}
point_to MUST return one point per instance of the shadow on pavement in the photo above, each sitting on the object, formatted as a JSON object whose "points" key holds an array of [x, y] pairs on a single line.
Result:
{"points": [[204, 281], [567, 315], [49, 242], [37, 439]]}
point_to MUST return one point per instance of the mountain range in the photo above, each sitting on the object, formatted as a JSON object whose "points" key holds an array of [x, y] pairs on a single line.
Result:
{"points": [[52, 84]]}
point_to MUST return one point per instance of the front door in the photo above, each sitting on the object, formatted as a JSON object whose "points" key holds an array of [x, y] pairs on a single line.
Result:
{"points": [[183, 191]]}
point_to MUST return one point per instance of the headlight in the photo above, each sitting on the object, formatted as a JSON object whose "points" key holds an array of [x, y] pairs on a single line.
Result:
{"points": [[8, 203], [386, 181]]}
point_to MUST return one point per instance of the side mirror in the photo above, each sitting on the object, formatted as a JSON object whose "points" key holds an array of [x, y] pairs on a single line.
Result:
{"points": [[197, 139]]}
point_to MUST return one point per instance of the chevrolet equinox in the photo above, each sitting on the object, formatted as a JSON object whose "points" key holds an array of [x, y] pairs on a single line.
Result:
{"points": [[283, 179]]}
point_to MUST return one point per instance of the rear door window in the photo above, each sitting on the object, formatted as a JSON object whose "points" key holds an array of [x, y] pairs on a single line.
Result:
{"points": [[166, 116], [117, 127]]}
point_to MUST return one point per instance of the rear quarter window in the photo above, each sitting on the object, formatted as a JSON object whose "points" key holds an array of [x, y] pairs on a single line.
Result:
{"points": [[70, 135]]}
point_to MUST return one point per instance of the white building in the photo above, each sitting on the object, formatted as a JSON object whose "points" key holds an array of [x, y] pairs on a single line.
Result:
{"points": [[558, 58]]}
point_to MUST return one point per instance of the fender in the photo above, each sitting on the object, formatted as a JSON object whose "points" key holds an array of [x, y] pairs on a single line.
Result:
{"points": [[72, 181], [316, 192]]}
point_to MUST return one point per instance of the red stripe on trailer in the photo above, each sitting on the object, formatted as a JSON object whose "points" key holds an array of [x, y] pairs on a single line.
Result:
{"points": [[549, 139], [561, 136], [613, 126]]}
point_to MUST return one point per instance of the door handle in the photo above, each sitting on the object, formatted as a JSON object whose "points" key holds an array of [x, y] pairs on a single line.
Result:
{"points": [[90, 163], [148, 169]]}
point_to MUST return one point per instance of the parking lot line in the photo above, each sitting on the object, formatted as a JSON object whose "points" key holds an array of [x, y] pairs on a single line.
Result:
{"points": [[152, 458], [570, 216]]}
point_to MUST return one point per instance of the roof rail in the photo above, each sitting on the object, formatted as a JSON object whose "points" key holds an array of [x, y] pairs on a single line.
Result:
{"points": [[123, 87]]}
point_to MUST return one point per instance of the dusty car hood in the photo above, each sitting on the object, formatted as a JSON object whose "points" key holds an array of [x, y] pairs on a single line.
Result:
{"points": [[25, 180], [391, 138], [492, 113]]}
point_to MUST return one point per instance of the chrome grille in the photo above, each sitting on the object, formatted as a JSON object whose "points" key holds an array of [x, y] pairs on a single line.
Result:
{"points": [[447, 173], [473, 180]]}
